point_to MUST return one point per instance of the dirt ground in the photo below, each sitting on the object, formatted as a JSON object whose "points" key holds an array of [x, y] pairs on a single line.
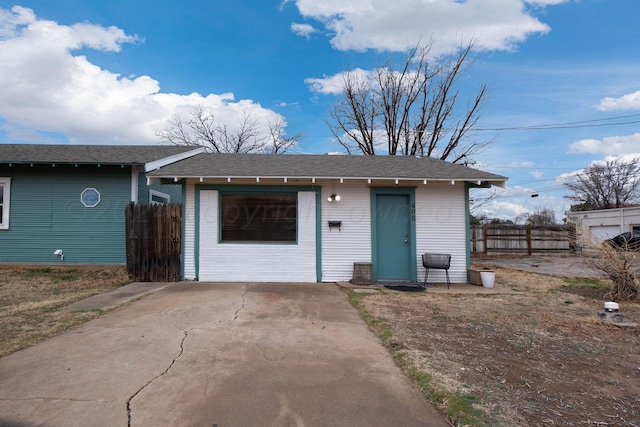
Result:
{"points": [[538, 357]]}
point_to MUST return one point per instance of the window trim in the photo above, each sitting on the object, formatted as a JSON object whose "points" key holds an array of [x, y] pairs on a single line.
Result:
{"points": [[6, 202], [231, 192], [157, 193], [90, 203]]}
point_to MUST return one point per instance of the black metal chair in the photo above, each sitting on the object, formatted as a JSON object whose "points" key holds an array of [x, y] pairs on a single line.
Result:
{"points": [[437, 261]]}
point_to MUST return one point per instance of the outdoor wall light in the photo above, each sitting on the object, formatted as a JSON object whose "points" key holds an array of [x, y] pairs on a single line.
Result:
{"points": [[59, 253], [334, 197]]}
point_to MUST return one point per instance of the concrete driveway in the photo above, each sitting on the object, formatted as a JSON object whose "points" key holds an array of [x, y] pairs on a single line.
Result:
{"points": [[200, 354], [554, 265]]}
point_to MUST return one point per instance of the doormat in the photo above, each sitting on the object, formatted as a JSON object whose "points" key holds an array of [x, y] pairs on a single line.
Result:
{"points": [[402, 286]]}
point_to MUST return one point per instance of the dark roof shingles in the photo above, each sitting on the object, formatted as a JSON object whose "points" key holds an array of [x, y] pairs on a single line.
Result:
{"points": [[328, 166], [87, 154]]}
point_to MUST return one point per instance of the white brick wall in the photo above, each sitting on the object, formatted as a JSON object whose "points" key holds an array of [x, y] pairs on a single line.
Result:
{"points": [[244, 262]]}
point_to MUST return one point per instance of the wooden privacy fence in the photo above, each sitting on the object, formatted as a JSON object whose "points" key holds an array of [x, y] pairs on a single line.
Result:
{"points": [[521, 239], [153, 242]]}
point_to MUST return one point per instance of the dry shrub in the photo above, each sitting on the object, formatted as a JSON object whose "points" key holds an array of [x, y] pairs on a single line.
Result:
{"points": [[620, 265]]}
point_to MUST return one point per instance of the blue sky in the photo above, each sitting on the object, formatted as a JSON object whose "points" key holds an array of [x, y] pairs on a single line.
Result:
{"points": [[113, 72]]}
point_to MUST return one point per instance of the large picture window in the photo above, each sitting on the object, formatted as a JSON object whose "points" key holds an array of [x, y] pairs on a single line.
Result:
{"points": [[259, 217], [5, 187]]}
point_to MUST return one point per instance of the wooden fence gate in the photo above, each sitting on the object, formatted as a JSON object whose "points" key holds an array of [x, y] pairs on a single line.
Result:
{"points": [[153, 242], [521, 239]]}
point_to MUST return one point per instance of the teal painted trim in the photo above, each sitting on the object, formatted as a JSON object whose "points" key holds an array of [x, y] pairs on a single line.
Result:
{"points": [[196, 231], [173, 190], [267, 189], [467, 213], [405, 191]]}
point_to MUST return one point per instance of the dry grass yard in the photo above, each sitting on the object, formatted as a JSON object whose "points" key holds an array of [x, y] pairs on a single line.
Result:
{"points": [[33, 300], [539, 357]]}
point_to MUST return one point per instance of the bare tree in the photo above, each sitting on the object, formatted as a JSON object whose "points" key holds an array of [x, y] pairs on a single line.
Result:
{"points": [[608, 185], [247, 136], [277, 141], [414, 109], [541, 217]]}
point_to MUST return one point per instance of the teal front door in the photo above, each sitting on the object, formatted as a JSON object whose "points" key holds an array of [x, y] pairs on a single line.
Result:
{"points": [[393, 237]]}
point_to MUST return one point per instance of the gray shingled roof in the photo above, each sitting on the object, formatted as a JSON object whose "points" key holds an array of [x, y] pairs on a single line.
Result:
{"points": [[320, 166], [87, 154]]}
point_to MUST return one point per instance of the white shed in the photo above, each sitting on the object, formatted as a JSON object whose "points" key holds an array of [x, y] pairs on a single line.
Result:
{"points": [[309, 218]]}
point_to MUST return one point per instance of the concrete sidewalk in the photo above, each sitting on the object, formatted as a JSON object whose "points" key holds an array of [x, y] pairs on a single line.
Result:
{"points": [[201, 354], [119, 296]]}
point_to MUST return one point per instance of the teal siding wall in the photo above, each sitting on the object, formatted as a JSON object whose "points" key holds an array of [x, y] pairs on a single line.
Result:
{"points": [[174, 191], [47, 214]]}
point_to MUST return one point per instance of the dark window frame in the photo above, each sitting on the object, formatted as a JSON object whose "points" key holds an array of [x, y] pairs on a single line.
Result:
{"points": [[258, 217]]}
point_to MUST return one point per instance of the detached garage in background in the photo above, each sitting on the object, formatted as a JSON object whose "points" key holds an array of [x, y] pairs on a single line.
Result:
{"points": [[593, 227]]}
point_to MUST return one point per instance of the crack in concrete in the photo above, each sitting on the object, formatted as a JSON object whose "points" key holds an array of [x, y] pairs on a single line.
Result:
{"points": [[186, 333], [244, 301]]}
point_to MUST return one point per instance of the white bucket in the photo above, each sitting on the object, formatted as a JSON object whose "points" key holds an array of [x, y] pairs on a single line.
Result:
{"points": [[488, 278]]}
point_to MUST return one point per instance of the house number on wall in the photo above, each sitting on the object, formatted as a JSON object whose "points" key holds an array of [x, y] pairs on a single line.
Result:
{"points": [[413, 212], [90, 197]]}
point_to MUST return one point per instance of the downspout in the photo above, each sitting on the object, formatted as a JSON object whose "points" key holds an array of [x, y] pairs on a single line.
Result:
{"points": [[134, 183]]}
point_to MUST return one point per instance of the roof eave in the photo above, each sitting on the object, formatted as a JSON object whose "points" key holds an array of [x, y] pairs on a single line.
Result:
{"points": [[313, 179], [67, 163], [157, 164]]}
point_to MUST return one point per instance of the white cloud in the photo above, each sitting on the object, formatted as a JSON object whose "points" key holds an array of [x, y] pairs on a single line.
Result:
{"points": [[612, 145], [513, 201], [505, 210], [522, 164], [545, 2], [19, 133], [304, 30], [630, 101], [334, 84], [505, 203], [397, 25], [47, 89]]}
